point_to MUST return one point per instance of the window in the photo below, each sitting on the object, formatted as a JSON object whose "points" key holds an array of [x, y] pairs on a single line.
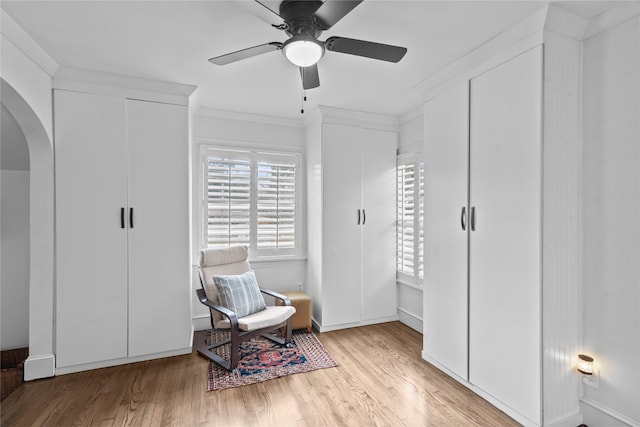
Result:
{"points": [[410, 219], [251, 199]]}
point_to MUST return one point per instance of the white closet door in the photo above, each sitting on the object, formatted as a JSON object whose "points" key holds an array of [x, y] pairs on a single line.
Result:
{"points": [[505, 311], [341, 172], [446, 148], [379, 224], [159, 267], [91, 248]]}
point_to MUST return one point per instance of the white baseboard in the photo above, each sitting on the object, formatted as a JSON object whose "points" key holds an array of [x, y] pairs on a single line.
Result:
{"points": [[327, 328], [123, 361], [572, 420], [39, 366], [201, 323], [410, 319], [596, 414]]}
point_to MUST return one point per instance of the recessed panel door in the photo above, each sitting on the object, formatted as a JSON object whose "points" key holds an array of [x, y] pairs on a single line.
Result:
{"points": [[378, 224], [446, 145], [158, 220], [91, 233], [343, 216], [505, 260]]}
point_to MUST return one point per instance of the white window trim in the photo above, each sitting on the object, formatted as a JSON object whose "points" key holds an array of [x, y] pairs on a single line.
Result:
{"points": [[255, 254]]}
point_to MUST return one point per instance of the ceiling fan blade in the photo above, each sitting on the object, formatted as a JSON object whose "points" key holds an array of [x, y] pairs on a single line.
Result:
{"points": [[332, 11], [261, 11], [268, 8], [310, 78], [245, 53], [372, 50]]}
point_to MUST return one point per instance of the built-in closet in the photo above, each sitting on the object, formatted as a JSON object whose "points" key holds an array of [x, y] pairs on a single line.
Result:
{"points": [[122, 227], [501, 150], [351, 218], [495, 160]]}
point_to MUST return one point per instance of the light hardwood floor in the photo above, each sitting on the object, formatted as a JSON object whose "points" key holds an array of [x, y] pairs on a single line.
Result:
{"points": [[381, 381]]}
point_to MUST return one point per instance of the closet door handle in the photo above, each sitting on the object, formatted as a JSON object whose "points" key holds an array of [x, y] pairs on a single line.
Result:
{"points": [[130, 217], [121, 217], [358, 216], [473, 218], [364, 217], [463, 217]]}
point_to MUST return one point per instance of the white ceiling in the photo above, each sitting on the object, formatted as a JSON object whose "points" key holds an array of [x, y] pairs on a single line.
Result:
{"points": [[172, 40]]}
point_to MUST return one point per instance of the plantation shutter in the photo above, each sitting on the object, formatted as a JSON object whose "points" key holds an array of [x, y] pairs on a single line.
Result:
{"points": [[228, 201], [251, 199], [410, 218], [420, 220], [405, 211], [276, 198]]}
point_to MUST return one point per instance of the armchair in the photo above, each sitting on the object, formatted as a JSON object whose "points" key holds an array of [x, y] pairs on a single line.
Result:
{"points": [[230, 291]]}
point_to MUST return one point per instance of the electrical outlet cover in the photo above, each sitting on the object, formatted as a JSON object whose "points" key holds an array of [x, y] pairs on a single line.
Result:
{"points": [[592, 380]]}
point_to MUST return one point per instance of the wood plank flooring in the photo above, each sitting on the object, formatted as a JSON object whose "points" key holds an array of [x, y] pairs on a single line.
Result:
{"points": [[381, 381]]}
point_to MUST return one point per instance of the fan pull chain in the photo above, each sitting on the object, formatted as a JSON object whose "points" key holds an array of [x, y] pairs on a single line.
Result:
{"points": [[304, 99]]}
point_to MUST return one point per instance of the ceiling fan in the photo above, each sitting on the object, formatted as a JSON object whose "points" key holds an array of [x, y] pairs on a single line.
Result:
{"points": [[304, 21]]}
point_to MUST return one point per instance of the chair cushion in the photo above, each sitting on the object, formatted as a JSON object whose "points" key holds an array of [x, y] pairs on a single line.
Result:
{"points": [[240, 293], [220, 262], [271, 316], [223, 256]]}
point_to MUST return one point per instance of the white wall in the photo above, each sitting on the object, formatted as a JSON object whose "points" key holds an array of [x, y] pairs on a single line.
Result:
{"points": [[14, 293], [14, 206], [313, 151], [28, 69], [25, 76], [14, 151], [239, 130], [611, 209], [409, 297], [411, 132], [14, 241]]}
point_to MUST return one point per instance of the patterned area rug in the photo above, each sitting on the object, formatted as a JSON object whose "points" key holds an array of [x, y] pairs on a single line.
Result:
{"points": [[262, 360]]}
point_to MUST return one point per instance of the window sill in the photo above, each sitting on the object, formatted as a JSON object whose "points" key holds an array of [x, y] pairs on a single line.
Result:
{"points": [[272, 259], [409, 284], [277, 258]]}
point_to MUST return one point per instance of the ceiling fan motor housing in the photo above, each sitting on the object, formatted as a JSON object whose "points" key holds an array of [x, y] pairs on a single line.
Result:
{"points": [[303, 47], [299, 18]]}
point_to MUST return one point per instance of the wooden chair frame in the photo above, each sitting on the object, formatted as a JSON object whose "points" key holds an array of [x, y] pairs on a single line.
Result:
{"points": [[236, 335]]}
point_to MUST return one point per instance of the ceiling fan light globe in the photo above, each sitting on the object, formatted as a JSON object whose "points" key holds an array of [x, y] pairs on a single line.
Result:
{"points": [[303, 53]]}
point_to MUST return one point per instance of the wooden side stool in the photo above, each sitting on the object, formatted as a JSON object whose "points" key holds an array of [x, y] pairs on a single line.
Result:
{"points": [[301, 301]]}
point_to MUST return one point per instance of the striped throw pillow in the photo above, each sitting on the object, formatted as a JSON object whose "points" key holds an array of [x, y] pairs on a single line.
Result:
{"points": [[240, 293]]}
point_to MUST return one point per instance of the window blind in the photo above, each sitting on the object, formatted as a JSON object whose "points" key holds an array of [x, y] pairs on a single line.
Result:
{"points": [[276, 199], [410, 219], [228, 201], [405, 233], [251, 199], [420, 220]]}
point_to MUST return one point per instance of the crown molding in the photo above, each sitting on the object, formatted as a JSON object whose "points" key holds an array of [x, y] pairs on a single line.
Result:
{"points": [[524, 29], [563, 22], [611, 18], [83, 80], [520, 37], [15, 34], [340, 116], [247, 117]]}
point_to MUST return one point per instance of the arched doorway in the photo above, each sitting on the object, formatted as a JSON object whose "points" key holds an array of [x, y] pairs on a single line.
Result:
{"points": [[41, 361]]}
